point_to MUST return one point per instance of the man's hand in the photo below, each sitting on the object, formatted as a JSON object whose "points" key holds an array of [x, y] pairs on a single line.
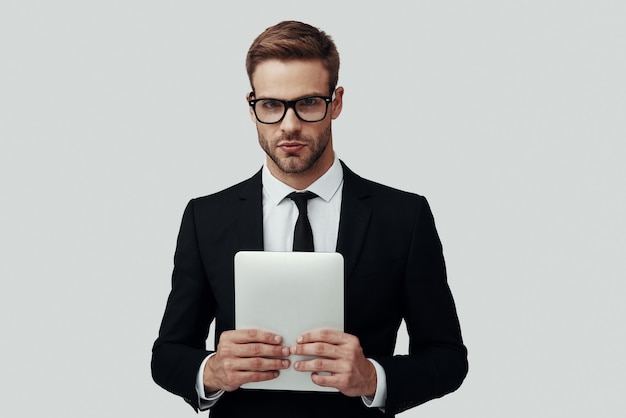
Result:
{"points": [[242, 357], [341, 355]]}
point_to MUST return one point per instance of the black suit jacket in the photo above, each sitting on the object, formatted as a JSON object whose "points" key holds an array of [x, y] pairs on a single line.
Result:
{"points": [[394, 270]]}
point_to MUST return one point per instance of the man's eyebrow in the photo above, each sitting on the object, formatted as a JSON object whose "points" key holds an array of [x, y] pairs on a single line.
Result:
{"points": [[304, 96]]}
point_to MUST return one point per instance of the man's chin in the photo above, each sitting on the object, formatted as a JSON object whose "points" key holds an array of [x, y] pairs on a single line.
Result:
{"points": [[291, 169], [293, 164]]}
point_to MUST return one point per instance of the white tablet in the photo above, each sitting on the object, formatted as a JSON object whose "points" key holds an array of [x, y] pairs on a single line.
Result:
{"points": [[289, 293]]}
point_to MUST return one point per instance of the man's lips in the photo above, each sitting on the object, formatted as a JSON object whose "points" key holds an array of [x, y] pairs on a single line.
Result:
{"points": [[291, 147]]}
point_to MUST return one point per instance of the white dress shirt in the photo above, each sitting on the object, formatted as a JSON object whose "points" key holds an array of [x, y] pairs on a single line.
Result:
{"points": [[324, 212]]}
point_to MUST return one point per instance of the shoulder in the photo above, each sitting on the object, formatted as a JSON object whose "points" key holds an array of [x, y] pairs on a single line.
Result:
{"points": [[370, 190], [250, 188], [242, 189]]}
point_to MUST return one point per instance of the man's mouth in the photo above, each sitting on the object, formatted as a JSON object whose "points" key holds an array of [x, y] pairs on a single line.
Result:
{"points": [[291, 147]]}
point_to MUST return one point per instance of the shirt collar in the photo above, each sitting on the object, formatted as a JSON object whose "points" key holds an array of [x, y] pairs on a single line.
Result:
{"points": [[325, 187]]}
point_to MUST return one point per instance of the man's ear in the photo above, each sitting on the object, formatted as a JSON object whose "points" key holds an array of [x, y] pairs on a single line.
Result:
{"points": [[250, 96], [337, 104]]}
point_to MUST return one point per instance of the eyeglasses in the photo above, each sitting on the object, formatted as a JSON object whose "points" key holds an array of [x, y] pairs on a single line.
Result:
{"points": [[307, 109]]}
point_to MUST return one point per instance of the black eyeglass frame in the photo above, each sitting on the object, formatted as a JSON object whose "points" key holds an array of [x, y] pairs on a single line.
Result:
{"points": [[291, 104]]}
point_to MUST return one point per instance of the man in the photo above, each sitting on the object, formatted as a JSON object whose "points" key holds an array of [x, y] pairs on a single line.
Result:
{"points": [[394, 267]]}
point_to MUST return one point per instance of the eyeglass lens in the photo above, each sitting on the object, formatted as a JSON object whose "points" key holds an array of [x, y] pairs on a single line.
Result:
{"points": [[309, 109]]}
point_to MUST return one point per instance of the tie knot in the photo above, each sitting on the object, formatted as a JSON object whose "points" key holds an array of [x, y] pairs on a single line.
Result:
{"points": [[301, 199]]}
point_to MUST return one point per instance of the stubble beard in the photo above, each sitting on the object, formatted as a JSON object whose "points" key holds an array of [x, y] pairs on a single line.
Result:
{"points": [[293, 163]]}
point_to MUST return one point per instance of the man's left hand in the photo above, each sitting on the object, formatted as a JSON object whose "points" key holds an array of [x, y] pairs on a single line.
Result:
{"points": [[340, 355]]}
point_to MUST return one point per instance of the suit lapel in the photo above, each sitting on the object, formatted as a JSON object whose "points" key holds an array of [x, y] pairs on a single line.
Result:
{"points": [[354, 220], [249, 214]]}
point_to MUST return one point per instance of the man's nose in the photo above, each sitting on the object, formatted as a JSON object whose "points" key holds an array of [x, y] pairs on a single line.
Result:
{"points": [[291, 122]]}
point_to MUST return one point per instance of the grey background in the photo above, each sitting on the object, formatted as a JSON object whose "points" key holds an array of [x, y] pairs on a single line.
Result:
{"points": [[508, 116]]}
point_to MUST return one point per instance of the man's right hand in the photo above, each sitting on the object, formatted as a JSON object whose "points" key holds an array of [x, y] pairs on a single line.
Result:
{"points": [[242, 357]]}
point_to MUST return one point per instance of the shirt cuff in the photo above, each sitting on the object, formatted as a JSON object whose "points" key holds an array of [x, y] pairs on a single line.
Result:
{"points": [[380, 397], [205, 402]]}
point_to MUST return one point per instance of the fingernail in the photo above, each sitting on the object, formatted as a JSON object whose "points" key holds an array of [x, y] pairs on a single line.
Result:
{"points": [[299, 339], [286, 351], [277, 338], [293, 349], [285, 363]]}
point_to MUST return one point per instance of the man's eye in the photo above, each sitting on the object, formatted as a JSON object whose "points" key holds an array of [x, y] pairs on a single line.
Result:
{"points": [[271, 104], [311, 101]]}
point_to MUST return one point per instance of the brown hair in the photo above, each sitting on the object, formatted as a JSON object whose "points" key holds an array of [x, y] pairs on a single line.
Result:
{"points": [[290, 40]]}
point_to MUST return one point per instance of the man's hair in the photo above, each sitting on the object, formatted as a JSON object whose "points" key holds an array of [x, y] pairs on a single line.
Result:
{"points": [[291, 40]]}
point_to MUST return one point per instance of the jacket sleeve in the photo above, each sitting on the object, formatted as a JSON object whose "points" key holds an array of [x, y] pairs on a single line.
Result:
{"points": [[437, 359], [180, 347]]}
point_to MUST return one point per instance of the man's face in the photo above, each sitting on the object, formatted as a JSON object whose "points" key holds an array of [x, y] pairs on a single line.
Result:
{"points": [[294, 148]]}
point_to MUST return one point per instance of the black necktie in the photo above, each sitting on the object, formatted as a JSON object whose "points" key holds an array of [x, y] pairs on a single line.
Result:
{"points": [[302, 234]]}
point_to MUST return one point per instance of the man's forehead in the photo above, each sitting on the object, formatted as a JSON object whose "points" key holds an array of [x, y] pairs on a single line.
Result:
{"points": [[278, 78]]}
